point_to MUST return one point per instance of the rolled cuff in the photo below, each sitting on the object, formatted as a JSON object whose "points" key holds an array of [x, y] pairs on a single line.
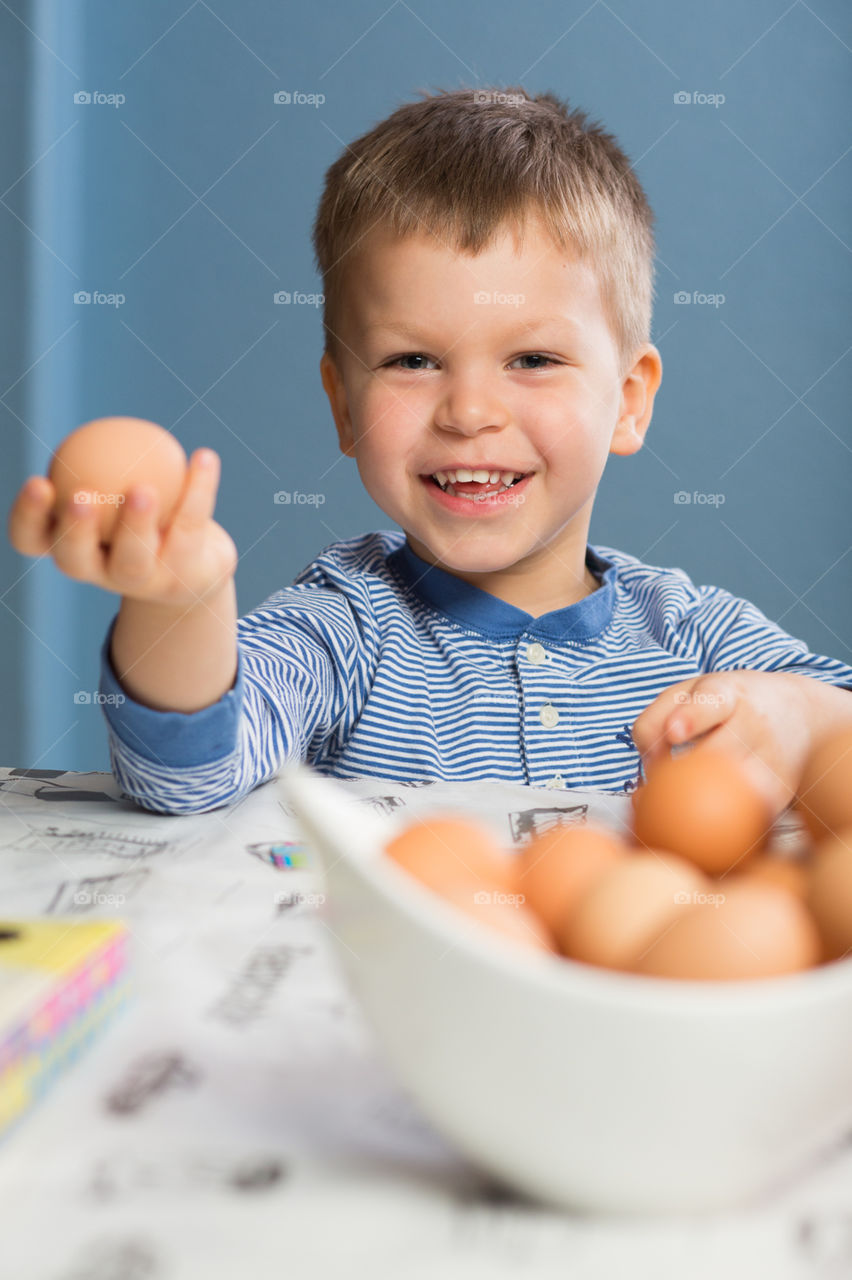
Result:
{"points": [[171, 738]]}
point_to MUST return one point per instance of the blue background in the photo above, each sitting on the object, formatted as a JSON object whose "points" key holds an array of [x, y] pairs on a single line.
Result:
{"points": [[194, 199]]}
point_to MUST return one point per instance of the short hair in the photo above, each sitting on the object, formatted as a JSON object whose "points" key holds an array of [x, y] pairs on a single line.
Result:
{"points": [[461, 164]]}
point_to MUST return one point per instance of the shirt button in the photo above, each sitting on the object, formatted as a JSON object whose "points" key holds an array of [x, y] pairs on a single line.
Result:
{"points": [[536, 654], [557, 783], [549, 716]]}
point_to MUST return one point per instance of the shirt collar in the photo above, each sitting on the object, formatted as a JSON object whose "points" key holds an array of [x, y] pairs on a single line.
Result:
{"points": [[486, 613]]}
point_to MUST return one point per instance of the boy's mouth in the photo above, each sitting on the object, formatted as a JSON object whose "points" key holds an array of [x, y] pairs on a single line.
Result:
{"points": [[478, 498], [463, 482]]}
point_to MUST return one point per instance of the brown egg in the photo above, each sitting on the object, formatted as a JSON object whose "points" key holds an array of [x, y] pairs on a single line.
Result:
{"points": [[756, 931], [556, 868], [107, 456], [791, 874], [629, 907], [701, 805], [824, 793], [446, 852], [503, 912], [830, 892]]}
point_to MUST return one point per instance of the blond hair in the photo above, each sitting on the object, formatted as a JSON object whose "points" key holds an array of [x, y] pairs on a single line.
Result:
{"points": [[461, 164]]}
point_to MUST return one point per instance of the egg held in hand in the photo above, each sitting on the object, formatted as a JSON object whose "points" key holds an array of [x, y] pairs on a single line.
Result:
{"points": [[700, 805], [106, 457]]}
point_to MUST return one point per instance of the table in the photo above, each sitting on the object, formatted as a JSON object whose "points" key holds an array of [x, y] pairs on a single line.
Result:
{"points": [[236, 1117]]}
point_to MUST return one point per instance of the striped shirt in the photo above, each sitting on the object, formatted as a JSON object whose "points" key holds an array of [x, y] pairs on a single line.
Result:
{"points": [[376, 664]]}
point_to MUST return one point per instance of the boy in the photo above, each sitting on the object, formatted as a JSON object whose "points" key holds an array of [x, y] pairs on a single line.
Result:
{"points": [[487, 262]]}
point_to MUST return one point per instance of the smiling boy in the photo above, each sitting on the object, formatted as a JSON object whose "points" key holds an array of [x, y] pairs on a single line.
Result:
{"points": [[487, 262], [517, 371]]}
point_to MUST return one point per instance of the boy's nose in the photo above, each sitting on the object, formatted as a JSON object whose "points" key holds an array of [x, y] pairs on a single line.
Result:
{"points": [[471, 405]]}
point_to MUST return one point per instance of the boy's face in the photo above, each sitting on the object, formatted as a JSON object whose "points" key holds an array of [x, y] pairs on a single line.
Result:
{"points": [[435, 377]]}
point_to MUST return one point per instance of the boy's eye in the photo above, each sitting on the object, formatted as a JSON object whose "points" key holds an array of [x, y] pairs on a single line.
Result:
{"points": [[535, 356], [409, 355], [417, 355]]}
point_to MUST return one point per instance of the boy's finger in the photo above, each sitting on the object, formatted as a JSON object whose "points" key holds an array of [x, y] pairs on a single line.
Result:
{"points": [[649, 727], [135, 538], [75, 542], [198, 499], [29, 523], [709, 703]]}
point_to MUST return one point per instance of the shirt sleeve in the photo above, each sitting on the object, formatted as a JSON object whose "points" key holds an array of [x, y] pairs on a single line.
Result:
{"points": [[301, 661], [727, 633]]}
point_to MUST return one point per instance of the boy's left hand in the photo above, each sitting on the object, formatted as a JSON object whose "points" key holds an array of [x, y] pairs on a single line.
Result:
{"points": [[768, 720]]}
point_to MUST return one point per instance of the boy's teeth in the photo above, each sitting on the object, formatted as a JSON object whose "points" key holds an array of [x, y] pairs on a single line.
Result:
{"points": [[464, 476]]}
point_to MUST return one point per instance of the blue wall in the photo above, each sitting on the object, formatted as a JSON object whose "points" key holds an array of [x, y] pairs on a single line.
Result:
{"points": [[14, 639], [194, 199]]}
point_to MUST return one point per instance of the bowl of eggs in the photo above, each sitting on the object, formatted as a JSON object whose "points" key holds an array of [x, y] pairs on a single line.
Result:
{"points": [[640, 1022]]}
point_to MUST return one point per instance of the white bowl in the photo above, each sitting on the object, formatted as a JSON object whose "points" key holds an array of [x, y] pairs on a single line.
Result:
{"points": [[582, 1087]]}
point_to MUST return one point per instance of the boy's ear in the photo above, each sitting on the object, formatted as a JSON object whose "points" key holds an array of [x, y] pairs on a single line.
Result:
{"points": [[332, 381], [637, 400]]}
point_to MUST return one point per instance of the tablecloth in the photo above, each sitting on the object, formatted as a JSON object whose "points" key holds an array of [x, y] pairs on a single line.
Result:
{"points": [[235, 1118]]}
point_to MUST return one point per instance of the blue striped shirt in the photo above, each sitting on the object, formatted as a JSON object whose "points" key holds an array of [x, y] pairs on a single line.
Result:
{"points": [[375, 663]]}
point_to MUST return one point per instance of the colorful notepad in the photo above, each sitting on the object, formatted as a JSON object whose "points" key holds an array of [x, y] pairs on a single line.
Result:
{"points": [[59, 982]]}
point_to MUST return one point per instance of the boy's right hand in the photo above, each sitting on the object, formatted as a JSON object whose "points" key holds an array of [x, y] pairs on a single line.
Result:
{"points": [[178, 567]]}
